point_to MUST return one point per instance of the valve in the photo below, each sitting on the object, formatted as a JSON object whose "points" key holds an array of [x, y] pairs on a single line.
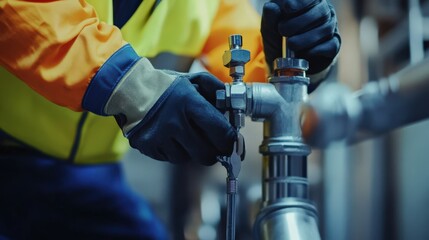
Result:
{"points": [[237, 96]]}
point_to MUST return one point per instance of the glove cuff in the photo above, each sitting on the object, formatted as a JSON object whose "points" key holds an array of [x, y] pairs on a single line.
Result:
{"points": [[106, 79], [137, 93], [126, 88]]}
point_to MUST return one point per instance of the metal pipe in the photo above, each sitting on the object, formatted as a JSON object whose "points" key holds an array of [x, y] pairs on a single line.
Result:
{"points": [[286, 212], [416, 27], [394, 102], [284, 176], [377, 108], [284, 162]]}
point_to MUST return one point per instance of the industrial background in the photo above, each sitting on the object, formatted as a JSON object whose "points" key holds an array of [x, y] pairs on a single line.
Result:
{"points": [[377, 189]]}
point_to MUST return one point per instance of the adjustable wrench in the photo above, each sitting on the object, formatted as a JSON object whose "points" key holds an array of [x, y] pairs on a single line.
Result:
{"points": [[233, 166]]}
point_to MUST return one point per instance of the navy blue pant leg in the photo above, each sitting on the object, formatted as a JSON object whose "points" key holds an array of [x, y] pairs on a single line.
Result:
{"points": [[43, 198]]}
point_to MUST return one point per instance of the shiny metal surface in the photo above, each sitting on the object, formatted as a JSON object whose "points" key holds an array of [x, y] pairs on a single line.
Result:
{"points": [[233, 99], [284, 176], [291, 219], [377, 108], [286, 213], [293, 224]]}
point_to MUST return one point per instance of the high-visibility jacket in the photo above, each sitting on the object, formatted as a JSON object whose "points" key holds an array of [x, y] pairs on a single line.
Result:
{"points": [[50, 51]]}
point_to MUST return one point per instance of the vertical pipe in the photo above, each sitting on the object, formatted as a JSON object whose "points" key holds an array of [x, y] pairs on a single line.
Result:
{"points": [[415, 22], [284, 176]]}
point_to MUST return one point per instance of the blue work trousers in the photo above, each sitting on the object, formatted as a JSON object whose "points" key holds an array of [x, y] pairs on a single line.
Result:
{"points": [[42, 198]]}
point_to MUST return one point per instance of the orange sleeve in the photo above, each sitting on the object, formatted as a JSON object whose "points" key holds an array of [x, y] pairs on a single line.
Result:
{"points": [[235, 17], [55, 47]]}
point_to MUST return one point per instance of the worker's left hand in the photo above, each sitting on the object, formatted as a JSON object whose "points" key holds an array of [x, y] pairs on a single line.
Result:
{"points": [[166, 115], [184, 125], [310, 27]]}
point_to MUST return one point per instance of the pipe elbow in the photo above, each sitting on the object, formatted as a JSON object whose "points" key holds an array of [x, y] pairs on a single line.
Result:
{"points": [[266, 101]]}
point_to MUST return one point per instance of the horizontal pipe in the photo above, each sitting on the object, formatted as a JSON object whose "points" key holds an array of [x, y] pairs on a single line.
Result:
{"points": [[379, 107], [394, 102]]}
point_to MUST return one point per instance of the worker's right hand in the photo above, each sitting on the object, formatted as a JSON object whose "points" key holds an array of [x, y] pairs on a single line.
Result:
{"points": [[167, 115], [310, 27]]}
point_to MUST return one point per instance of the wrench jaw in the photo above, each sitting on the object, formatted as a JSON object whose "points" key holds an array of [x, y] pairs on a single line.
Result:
{"points": [[235, 163], [232, 163]]}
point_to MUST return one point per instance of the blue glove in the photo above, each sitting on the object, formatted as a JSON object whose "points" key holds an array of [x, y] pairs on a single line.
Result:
{"points": [[183, 125], [310, 27], [165, 114]]}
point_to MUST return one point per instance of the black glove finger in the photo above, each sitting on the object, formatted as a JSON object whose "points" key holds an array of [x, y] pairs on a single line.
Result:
{"points": [[165, 146], [321, 56], [190, 146], [313, 37], [183, 126], [327, 49], [207, 85], [175, 151], [183, 146], [190, 142], [271, 15], [296, 7], [316, 16], [200, 150], [152, 147], [212, 128]]}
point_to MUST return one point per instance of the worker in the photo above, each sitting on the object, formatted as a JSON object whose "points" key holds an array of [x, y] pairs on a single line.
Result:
{"points": [[335, 113], [73, 71]]}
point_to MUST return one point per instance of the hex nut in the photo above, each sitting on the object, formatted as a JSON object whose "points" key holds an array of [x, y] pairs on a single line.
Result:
{"points": [[238, 96], [235, 57]]}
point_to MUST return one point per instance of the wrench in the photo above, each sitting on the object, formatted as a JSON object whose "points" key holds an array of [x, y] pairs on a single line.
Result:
{"points": [[233, 166]]}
